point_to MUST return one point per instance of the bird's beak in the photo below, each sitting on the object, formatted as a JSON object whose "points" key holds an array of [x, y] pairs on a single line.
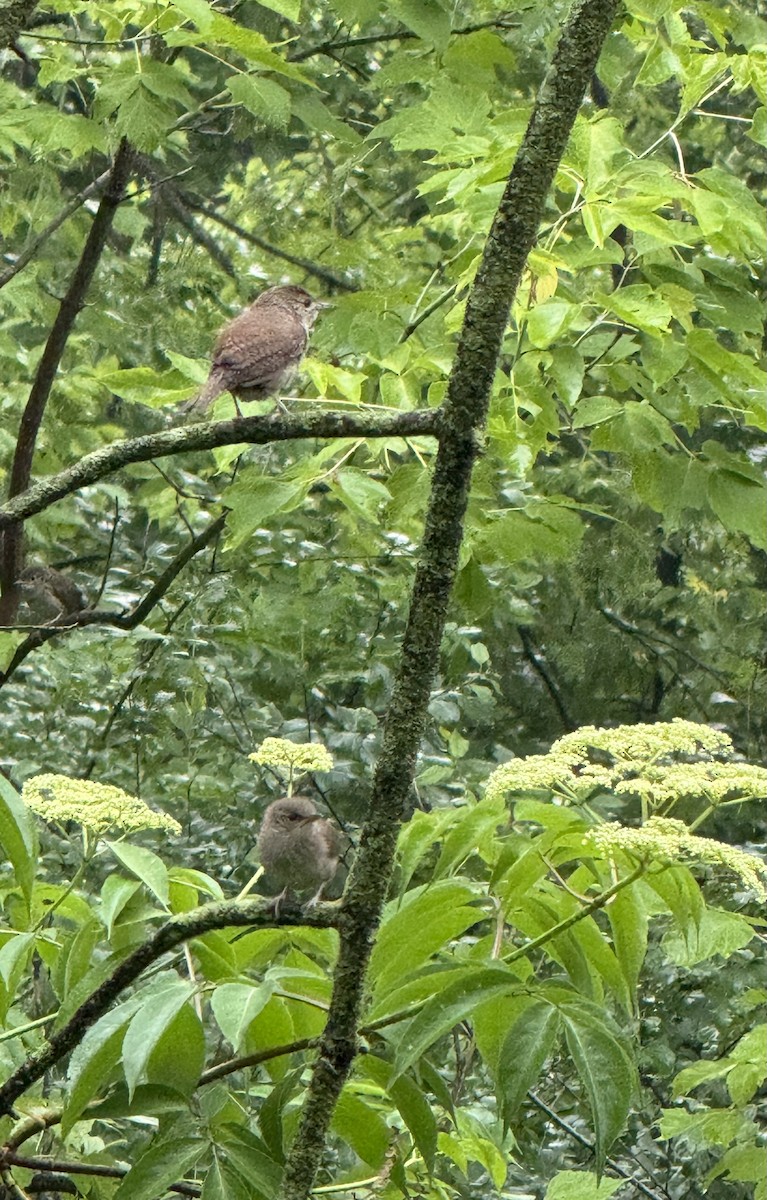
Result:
{"points": [[313, 817], [325, 304]]}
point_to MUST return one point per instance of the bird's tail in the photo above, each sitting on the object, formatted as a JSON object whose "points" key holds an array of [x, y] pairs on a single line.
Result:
{"points": [[203, 400]]}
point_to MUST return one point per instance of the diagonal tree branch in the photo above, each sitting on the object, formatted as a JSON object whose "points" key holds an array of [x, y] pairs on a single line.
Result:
{"points": [[125, 620], [178, 929], [511, 237], [306, 264], [27, 255], [48, 367]]}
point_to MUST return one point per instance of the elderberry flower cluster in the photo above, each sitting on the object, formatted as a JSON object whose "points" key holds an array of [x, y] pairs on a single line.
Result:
{"points": [[99, 807], [297, 756], [667, 840]]}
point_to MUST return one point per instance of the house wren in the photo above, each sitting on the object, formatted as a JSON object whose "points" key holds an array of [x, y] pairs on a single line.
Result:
{"points": [[257, 352], [298, 848], [48, 595]]}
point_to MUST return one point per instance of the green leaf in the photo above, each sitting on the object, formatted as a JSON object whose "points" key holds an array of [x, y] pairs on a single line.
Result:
{"points": [[629, 924], [156, 1015], [144, 118], [704, 346], [361, 494], [417, 1113], [18, 836], [13, 957], [79, 955], [223, 1181], [250, 1157], [423, 831], [451, 1005], [427, 18], [605, 1067], [165, 1162], [236, 1005], [178, 1056], [717, 932], [115, 894], [198, 11], [739, 505], [254, 47], [677, 888], [146, 866], [543, 530], [93, 1061], [424, 921], [185, 886], [581, 1185], [254, 498], [549, 319], [567, 370], [261, 97], [286, 8], [528, 1043], [217, 955], [318, 117], [476, 824], [360, 1125], [594, 410], [639, 305]]}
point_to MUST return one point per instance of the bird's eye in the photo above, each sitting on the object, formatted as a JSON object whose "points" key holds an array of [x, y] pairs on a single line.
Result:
{"points": [[308, 302], [294, 816]]}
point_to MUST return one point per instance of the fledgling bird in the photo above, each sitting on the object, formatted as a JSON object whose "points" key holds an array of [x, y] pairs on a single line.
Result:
{"points": [[48, 594], [256, 353], [298, 848]]}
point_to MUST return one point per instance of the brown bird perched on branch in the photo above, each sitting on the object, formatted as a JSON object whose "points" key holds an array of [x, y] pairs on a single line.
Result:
{"points": [[257, 352], [48, 594], [298, 848]]}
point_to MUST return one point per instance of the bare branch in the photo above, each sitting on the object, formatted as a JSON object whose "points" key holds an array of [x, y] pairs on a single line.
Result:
{"points": [[401, 35], [49, 364], [76, 202], [129, 620], [58, 1166], [306, 264]]}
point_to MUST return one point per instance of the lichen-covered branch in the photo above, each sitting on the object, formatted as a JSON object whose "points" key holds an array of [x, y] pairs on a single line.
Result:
{"points": [[256, 431], [511, 237], [176, 930]]}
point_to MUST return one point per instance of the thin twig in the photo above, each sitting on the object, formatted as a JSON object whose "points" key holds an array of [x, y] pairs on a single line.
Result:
{"points": [[76, 202], [306, 264], [127, 621]]}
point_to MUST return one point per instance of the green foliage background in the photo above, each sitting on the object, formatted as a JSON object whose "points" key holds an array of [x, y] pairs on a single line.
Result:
{"points": [[613, 568]]}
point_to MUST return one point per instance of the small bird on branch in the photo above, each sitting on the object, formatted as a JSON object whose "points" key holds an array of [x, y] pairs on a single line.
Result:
{"points": [[298, 848], [49, 595], [256, 353]]}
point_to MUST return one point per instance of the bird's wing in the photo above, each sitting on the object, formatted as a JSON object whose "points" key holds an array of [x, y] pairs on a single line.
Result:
{"points": [[257, 340], [335, 841]]}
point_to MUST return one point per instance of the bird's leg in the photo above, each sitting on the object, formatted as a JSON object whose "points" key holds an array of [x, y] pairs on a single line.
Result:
{"points": [[317, 895], [282, 407], [278, 900]]}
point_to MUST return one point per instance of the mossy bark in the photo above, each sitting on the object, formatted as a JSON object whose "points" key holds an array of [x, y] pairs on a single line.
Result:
{"points": [[463, 416]]}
